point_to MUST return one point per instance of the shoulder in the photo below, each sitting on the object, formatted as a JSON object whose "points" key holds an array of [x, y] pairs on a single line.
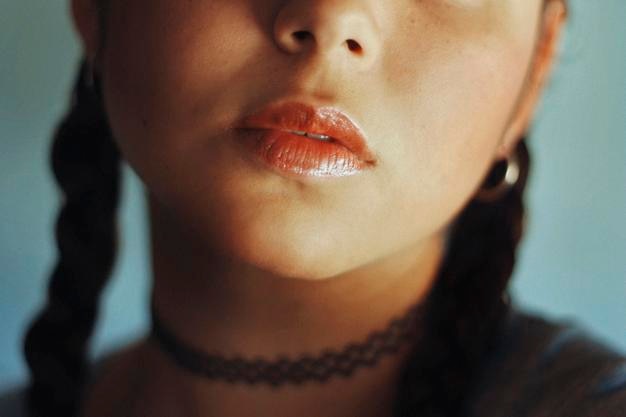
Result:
{"points": [[12, 402], [541, 367]]}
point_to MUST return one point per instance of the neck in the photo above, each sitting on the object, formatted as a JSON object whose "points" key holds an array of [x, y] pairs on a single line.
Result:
{"points": [[221, 306]]}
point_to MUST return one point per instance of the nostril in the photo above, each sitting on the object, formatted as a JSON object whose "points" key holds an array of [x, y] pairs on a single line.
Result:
{"points": [[354, 46], [301, 35]]}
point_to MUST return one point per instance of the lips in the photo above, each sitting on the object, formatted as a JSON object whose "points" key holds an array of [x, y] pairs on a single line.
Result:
{"points": [[297, 138]]}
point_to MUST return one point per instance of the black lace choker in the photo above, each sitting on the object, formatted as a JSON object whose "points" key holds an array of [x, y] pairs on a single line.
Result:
{"points": [[283, 369]]}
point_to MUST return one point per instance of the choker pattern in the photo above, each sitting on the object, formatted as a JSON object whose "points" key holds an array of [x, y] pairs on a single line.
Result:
{"points": [[283, 369]]}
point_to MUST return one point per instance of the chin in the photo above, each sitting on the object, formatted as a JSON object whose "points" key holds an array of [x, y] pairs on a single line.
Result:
{"points": [[312, 259]]}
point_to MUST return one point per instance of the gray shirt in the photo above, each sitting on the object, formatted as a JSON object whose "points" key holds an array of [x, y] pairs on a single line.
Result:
{"points": [[540, 368]]}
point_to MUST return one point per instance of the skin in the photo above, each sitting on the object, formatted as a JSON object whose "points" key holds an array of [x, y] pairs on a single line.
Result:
{"points": [[442, 88]]}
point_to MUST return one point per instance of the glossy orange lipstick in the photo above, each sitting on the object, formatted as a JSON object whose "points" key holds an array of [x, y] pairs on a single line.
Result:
{"points": [[298, 139]]}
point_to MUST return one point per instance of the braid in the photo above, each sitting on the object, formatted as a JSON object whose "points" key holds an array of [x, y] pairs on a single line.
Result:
{"points": [[467, 306], [86, 165]]}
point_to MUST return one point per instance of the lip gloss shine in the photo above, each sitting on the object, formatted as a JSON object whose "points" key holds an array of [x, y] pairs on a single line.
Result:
{"points": [[298, 139], [298, 155]]}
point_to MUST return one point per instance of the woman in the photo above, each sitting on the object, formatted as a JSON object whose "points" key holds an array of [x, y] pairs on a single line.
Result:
{"points": [[335, 187]]}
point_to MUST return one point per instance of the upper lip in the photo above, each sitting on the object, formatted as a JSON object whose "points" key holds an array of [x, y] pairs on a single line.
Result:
{"points": [[325, 120]]}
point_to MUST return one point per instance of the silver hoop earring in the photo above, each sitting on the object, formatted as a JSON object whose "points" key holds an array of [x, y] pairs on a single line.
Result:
{"points": [[508, 180]]}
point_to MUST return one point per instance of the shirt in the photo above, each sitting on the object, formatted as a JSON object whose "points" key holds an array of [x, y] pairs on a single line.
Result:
{"points": [[540, 368]]}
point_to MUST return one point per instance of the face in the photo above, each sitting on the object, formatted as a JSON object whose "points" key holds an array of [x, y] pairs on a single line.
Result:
{"points": [[433, 85]]}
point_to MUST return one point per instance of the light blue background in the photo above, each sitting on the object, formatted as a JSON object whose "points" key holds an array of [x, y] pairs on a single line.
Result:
{"points": [[571, 264]]}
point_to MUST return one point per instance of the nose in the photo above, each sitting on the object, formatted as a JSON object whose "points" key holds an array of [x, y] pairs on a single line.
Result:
{"points": [[343, 29]]}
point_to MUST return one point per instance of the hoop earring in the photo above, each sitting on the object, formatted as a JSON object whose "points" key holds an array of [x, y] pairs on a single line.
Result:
{"points": [[506, 182]]}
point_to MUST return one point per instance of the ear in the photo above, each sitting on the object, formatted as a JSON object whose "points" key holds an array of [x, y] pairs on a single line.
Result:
{"points": [[86, 19], [552, 23]]}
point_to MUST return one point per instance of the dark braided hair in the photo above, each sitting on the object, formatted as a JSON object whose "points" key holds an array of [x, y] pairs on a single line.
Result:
{"points": [[86, 165]]}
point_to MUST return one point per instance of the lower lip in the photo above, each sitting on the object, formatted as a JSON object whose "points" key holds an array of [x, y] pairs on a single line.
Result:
{"points": [[301, 156]]}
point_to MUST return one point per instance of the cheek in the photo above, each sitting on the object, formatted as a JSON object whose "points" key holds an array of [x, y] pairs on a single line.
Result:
{"points": [[166, 67], [454, 106]]}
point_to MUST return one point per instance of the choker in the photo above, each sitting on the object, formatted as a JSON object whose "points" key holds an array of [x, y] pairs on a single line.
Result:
{"points": [[284, 370]]}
